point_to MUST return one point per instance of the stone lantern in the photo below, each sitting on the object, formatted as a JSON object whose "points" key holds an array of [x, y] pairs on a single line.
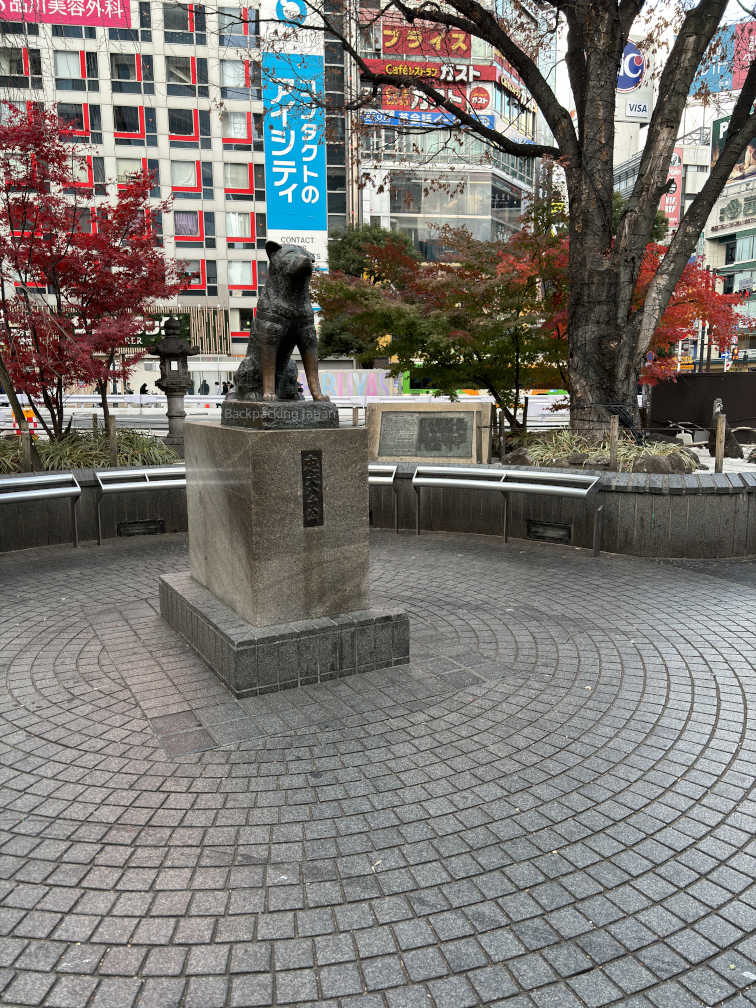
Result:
{"points": [[174, 351]]}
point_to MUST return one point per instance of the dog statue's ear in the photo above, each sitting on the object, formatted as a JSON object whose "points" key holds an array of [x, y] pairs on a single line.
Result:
{"points": [[271, 248]]}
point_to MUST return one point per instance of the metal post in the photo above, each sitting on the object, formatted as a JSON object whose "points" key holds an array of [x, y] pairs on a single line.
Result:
{"points": [[395, 490], [417, 510], [719, 443], [613, 438], [505, 517], [597, 517], [74, 522], [355, 415], [99, 520]]}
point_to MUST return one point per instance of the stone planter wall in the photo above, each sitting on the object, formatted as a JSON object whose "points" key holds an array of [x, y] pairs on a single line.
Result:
{"points": [[47, 522], [701, 515]]}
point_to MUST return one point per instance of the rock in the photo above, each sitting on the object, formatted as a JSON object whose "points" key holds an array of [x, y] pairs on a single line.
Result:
{"points": [[752, 456], [560, 463], [597, 462], [577, 458], [680, 463], [745, 435], [651, 464], [517, 457]]}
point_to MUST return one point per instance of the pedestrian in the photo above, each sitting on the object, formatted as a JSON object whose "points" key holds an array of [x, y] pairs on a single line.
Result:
{"points": [[143, 389], [204, 387], [224, 390], [128, 390]]}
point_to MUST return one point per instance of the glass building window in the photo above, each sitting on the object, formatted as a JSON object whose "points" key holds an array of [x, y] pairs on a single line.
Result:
{"points": [[67, 64], [235, 176], [123, 66], [126, 119], [235, 125], [186, 222], [176, 17], [126, 167], [232, 73], [238, 225], [183, 174], [178, 70], [240, 274]]}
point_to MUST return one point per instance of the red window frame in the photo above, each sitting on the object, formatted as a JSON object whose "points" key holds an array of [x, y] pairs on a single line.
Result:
{"points": [[197, 178], [89, 184], [188, 137], [85, 116], [200, 236], [141, 135], [247, 286], [248, 238], [122, 185], [250, 188], [202, 278], [248, 139]]}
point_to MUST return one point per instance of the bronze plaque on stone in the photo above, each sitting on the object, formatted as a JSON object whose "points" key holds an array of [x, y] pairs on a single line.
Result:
{"points": [[427, 435], [312, 488]]}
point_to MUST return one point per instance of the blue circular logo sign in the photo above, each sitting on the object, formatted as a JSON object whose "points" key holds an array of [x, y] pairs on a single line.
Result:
{"points": [[631, 69], [292, 11]]}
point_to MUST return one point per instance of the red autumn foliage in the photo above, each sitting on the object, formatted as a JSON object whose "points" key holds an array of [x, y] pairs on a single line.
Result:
{"points": [[694, 299], [75, 279]]}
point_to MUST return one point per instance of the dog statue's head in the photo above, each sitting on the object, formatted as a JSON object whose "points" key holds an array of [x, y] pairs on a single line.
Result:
{"points": [[289, 261]]}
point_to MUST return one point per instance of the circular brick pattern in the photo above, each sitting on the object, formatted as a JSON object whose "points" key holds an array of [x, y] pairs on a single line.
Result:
{"points": [[550, 806]]}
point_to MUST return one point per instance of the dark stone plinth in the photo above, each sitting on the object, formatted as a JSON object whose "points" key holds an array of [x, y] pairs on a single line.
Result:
{"points": [[279, 414], [252, 660]]}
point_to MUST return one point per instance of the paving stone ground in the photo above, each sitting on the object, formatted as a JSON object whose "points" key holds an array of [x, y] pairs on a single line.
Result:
{"points": [[551, 807]]}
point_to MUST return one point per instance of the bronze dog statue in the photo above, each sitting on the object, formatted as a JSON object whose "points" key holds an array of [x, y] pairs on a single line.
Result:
{"points": [[284, 320]]}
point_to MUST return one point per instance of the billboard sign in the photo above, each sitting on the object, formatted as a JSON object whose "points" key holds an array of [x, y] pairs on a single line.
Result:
{"points": [[94, 13], [635, 97], [293, 79], [382, 117], [445, 73], [671, 202], [746, 167], [725, 65], [406, 40]]}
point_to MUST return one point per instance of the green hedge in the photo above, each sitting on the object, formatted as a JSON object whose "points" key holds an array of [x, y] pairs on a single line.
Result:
{"points": [[89, 451]]}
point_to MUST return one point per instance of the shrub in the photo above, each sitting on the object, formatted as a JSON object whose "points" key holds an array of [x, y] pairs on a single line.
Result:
{"points": [[89, 451]]}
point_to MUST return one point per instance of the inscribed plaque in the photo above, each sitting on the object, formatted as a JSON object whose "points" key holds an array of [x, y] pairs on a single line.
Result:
{"points": [[427, 435]]}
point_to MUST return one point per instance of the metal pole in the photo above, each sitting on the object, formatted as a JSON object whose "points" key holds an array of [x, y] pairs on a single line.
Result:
{"points": [[597, 530], [613, 438]]}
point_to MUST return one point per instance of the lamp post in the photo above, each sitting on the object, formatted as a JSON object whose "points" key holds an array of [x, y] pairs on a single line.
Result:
{"points": [[174, 352]]}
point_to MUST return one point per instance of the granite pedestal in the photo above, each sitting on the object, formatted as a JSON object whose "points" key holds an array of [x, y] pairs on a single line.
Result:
{"points": [[278, 548]]}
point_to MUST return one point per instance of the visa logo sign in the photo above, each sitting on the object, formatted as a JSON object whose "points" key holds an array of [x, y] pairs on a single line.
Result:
{"points": [[638, 110]]}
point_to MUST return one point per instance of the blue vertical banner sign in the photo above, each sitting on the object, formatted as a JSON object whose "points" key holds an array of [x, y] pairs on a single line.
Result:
{"points": [[294, 128]]}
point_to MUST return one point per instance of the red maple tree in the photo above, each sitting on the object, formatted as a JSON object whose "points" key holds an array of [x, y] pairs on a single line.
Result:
{"points": [[534, 253], [76, 279]]}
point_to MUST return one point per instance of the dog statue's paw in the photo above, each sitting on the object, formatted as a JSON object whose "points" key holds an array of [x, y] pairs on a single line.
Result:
{"points": [[269, 397]]}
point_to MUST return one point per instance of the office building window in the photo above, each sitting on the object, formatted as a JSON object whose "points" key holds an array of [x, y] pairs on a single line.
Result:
{"points": [[238, 224], [240, 274], [186, 223]]}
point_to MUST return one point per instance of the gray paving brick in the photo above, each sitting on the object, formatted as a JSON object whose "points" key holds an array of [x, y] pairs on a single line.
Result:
{"points": [[477, 828]]}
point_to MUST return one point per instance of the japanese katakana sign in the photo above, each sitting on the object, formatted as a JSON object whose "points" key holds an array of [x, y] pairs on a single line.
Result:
{"points": [[408, 40], [97, 13], [295, 154]]}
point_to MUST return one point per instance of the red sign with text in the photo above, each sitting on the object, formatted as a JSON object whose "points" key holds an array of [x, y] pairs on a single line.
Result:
{"points": [[444, 73], [671, 202], [477, 98], [95, 13], [407, 40]]}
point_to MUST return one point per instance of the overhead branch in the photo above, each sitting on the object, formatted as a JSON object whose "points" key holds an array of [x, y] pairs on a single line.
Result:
{"points": [[442, 101], [489, 29]]}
